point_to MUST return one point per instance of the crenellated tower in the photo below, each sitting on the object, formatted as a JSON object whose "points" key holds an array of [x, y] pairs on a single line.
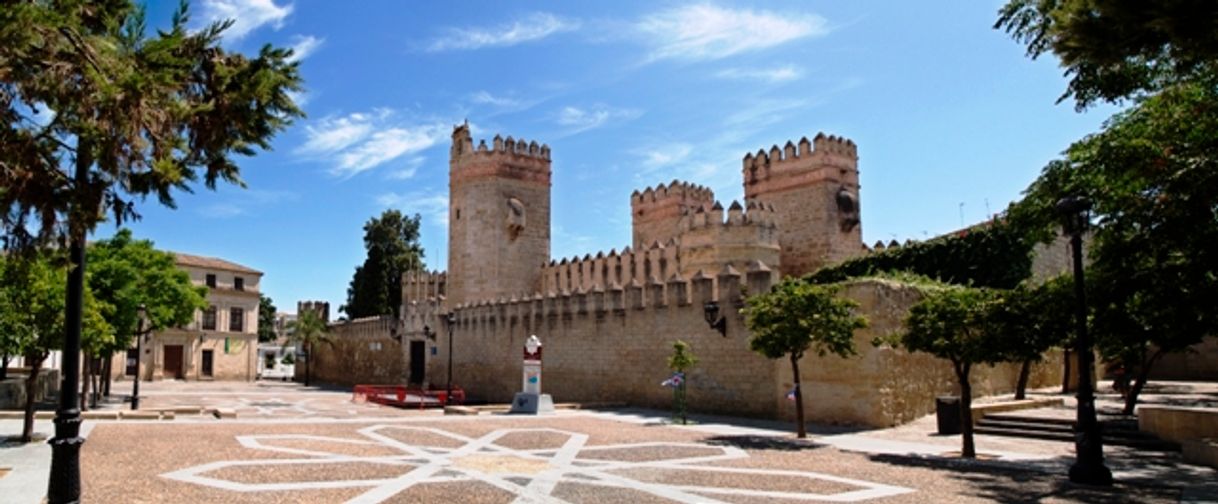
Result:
{"points": [[814, 189], [655, 213], [499, 217]]}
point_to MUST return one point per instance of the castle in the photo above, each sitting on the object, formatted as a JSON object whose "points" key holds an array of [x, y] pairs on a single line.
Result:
{"points": [[608, 319]]}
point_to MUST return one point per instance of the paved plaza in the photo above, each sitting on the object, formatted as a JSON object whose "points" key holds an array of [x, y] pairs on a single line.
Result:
{"points": [[291, 444]]}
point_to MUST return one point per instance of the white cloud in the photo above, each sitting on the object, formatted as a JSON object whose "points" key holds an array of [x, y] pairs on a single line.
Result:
{"points": [[242, 202], [535, 26], [433, 206], [407, 171], [304, 45], [247, 15], [665, 156], [361, 141], [704, 32], [583, 119], [777, 74], [485, 98]]}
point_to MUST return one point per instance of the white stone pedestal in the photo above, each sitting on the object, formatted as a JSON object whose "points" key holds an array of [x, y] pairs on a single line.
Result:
{"points": [[528, 403]]}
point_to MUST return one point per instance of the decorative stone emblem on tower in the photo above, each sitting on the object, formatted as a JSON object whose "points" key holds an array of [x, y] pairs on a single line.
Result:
{"points": [[848, 205], [515, 218], [530, 400]]}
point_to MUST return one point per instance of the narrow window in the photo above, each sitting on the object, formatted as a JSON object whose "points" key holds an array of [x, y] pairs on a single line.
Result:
{"points": [[236, 318], [211, 280], [208, 359], [209, 318], [238, 283]]}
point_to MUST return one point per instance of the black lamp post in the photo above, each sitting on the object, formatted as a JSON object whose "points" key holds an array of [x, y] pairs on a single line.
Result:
{"points": [[64, 482], [710, 311], [140, 333], [450, 319], [1088, 466]]}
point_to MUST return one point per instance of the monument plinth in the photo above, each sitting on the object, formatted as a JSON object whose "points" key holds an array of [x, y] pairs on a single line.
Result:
{"points": [[530, 400]]}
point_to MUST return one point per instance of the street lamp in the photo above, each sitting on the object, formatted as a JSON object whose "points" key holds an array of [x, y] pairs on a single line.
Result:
{"points": [[451, 319], [1089, 466], [710, 311], [140, 334]]}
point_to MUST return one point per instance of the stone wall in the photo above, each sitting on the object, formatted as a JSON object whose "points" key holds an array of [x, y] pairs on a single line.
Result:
{"points": [[611, 345], [13, 390], [1200, 363], [360, 351], [886, 386]]}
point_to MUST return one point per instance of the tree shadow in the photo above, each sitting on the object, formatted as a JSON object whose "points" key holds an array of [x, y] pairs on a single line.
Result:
{"points": [[750, 442], [1002, 482]]}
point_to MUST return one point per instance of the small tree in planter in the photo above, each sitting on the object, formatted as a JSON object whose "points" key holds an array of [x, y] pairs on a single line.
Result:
{"points": [[796, 317], [679, 362]]}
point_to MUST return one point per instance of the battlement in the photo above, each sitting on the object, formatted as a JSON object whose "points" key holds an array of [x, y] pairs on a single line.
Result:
{"points": [[656, 213], [463, 146], [675, 191], [421, 285], [748, 232], [676, 292], [321, 308], [657, 260], [823, 151]]}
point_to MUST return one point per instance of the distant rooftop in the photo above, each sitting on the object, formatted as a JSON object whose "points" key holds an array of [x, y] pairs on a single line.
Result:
{"points": [[212, 263]]}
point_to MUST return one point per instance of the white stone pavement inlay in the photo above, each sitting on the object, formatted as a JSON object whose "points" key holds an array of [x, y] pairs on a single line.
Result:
{"points": [[483, 460]]}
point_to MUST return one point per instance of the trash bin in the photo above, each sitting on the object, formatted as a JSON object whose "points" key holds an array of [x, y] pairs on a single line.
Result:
{"points": [[947, 409]]}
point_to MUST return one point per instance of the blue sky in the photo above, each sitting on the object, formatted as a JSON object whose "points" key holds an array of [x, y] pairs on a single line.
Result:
{"points": [[951, 119]]}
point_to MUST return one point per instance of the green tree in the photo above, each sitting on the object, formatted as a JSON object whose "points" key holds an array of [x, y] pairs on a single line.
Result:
{"points": [[392, 242], [953, 323], [266, 319], [1152, 175], [133, 116], [125, 273], [1031, 321], [797, 317], [33, 296], [307, 331], [1116, 49], [681, 360]]}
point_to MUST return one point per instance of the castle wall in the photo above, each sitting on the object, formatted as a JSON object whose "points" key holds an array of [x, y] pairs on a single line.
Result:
{"points": [[886, 386], [815, 192], [360, 351]]}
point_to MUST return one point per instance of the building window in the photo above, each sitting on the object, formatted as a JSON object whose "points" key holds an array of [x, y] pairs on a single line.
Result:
{"points": [[132, 356], [236, 316], [211, 280], [238, 283], [209, 318], [208, 359]]}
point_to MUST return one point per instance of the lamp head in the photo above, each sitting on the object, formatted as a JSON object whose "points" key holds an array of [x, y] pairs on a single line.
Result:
{"points": [[711, 311]]}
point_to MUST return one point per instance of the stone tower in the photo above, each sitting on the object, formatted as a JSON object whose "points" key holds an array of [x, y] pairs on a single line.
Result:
{"points": [[655, 214], [814, 189], [499, 217]]}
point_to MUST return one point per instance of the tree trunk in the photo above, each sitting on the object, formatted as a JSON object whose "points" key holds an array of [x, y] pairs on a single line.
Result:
{"points": [[800, 430], [1066, 371], [1021, 386], [1131, 399], [107, 371], [27, 428], [969, 450], [4, 367], [309, 362], [84, 383]]}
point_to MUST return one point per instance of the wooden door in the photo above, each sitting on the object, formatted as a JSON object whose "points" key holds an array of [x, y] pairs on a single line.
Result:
{"points": [[173, 362]]}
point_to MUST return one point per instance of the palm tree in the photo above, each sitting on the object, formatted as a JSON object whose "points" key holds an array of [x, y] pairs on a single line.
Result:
{"points": [[308, 330]]}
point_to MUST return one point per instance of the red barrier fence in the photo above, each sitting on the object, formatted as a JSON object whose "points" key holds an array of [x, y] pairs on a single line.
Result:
{"points": [[405, 397]]}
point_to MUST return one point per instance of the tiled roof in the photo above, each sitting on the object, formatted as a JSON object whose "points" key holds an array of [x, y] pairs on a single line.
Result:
{"points": [[212, 263]]}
